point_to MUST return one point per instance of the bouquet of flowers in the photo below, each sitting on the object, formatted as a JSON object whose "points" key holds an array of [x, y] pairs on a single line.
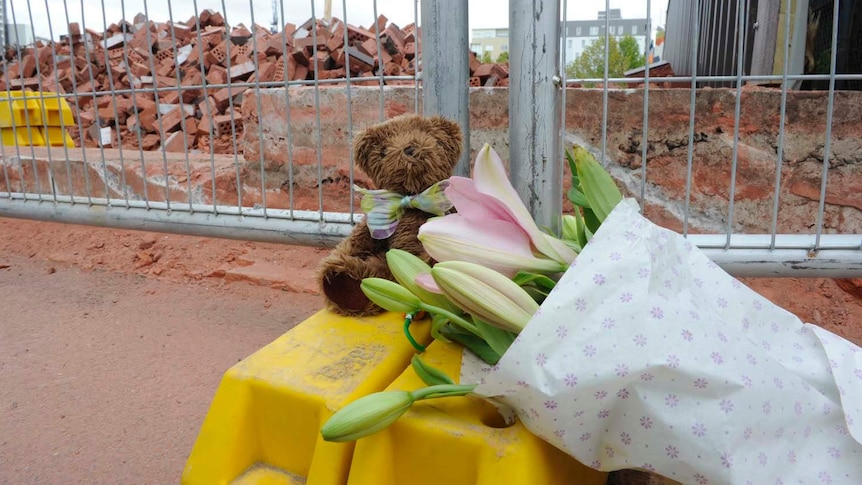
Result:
{"points": [[619, 343]]}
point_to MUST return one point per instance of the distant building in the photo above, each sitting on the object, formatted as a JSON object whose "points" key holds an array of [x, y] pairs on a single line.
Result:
{"points": [[495, 41], [579, 34], [18, 34]]}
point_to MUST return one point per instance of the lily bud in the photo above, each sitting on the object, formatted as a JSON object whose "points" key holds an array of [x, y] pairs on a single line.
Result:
{"points": [[390, 296], [485, 294], [599, 188], [406, 267], [366, 416], [570, 227]]}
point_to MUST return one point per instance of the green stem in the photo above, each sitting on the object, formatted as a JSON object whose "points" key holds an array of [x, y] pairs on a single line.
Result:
{"points": [[442, 390], [461, 322], [414, 343]]}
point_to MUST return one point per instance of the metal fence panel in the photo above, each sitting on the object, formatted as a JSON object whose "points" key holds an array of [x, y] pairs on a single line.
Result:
{"points": [[231, 129], [159, 104], [710, 44]]}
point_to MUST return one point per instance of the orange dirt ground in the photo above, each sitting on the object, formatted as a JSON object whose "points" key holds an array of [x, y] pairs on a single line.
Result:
{"points": [[112, 342]]}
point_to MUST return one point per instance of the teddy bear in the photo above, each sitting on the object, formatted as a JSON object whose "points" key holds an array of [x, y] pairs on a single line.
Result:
{"points": [[409, 160]]}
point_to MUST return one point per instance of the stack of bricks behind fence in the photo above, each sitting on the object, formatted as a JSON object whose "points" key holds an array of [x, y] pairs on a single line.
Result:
{"points": [[115, 72]]}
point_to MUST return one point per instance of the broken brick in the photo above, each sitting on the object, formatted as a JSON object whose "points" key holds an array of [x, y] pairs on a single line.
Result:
{"points": [[222, 124]]}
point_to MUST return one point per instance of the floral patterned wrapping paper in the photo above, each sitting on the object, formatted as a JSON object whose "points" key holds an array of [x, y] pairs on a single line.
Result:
{"points": [[647, 355]]}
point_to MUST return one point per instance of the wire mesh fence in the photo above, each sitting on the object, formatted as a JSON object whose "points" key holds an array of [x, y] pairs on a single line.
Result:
{"points": [[187, 118], [197, 119], [753, 172]]}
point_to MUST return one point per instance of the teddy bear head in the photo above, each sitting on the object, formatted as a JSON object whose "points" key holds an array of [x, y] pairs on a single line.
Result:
{"points": [[409, 153]]}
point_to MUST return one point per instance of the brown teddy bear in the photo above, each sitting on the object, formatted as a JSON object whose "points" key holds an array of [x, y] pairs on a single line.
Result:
{"points": [[409, 159]]}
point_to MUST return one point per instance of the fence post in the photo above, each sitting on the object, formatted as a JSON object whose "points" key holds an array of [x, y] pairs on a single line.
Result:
{"points": [[534, 109], [446, 68]]}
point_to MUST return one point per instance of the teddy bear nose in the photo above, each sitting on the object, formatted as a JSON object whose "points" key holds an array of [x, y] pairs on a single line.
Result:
{"points": [[409, 151]]}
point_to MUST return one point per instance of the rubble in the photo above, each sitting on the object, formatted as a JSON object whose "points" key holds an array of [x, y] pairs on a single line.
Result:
{"points": [[146, 79]]}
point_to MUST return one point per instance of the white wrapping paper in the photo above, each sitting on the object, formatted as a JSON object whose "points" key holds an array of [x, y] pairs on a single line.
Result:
{"points": [[648, 356]]}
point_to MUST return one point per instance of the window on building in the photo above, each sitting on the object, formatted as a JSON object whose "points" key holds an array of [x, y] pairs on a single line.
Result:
{"points": [[504, 48], [634, 29], [583, 42], [489, 48], [594, 31], [570, 44], [578, 31], [477, 48], [503, 33], [612, 29]]}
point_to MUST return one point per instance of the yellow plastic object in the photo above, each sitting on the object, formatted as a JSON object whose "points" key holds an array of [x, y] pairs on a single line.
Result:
{"points": [[459, 441], [19, 137], [44, 118], [263, 426], [15, 111], [57, 111], [56, 136]]}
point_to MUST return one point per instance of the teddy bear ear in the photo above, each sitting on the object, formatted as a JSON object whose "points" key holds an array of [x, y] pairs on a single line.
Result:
{"points": [[364, 147], [448, 135]]}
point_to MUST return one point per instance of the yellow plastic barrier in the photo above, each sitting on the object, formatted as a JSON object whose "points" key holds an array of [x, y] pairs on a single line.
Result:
{"points": [[263, 426], [459, 441], [45, 117]]}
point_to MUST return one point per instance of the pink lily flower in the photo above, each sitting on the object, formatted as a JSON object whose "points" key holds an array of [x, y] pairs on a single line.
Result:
{"points": [[492, 227]]}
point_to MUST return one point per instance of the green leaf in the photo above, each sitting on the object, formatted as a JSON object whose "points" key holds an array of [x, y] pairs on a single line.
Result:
{"points": [[577, 197], [598, 186], [542, 281], [498, 339], [474, 344], [582, 235], [537, 294], [437, 323], [429, 375], [592, 221]]}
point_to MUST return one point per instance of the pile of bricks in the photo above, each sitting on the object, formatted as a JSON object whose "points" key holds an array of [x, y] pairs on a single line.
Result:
{"points": [[143, 81]]}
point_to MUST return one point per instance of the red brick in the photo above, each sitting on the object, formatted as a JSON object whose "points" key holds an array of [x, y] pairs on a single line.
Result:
{"points": [[166, 81], [381, 23], [181, 33], [241, 72], [223, 124], [150, 142], [396, 35], [170, 97], [358, 34], [266, 72], [217, 54], [144, 101], [28, 67], [191, 78], [139, 69], [207, 108], [337, 39], [275, 47], [165, 70], [299, 57], [171, 120], [174, 142], [204, 126], [223, 95], [148, 119], [300, 72], [217, 75]]}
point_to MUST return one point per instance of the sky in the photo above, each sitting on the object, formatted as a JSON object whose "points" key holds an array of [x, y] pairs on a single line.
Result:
{"points": [[50, 16]]}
